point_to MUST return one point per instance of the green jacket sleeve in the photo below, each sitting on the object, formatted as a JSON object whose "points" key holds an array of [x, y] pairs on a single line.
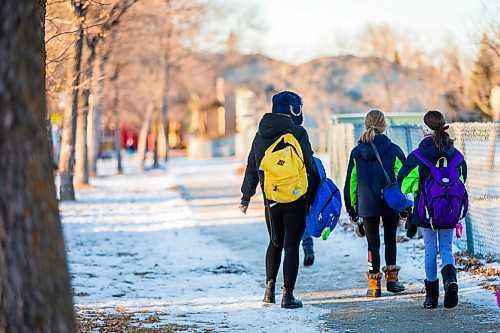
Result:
{"points": [[409, 175], [351, 187], [398, 161]]}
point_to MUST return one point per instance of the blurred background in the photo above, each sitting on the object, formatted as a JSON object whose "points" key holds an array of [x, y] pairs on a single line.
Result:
{"points": [[151, 79], [190, 73]]}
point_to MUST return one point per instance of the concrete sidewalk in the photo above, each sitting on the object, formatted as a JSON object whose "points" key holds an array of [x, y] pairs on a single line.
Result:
{"points": [[169, 251], [335, 283]]}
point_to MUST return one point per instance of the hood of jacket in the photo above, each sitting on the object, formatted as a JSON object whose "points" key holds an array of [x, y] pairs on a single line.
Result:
{"points": [[273, 125], [381, 141], [430, 151]]}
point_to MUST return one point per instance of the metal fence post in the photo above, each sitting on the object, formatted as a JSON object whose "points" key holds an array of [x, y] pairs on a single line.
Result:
{"points": [[470, 234], [409, 144]]}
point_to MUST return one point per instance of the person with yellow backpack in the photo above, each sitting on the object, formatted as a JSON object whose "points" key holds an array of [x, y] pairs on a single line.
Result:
{"points": [[281, 160]]}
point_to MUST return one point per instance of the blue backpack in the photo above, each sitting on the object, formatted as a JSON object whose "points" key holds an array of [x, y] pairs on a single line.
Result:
{"points": [[326, 206]]}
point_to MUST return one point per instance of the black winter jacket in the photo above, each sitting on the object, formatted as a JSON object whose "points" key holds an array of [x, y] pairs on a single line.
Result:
{"points": [[271, 127], [365, 177], [413, 174]]}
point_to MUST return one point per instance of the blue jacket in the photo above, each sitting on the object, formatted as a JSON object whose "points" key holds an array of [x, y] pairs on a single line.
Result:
{"points": [[365, 177], [414, 173]]}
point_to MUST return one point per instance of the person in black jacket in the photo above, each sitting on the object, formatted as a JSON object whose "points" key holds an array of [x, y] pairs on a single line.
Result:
{"points": [[435, 145], [363, 198], [285, 221]]}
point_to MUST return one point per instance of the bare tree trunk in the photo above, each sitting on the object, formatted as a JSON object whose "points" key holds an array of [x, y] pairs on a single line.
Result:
{"points": [[116, 113], [35, 294], [162, 140], [118, 147], [143, 138], [82, 166], [167, 80], [67, 158], [96, 120], [155, 130], [81, 148], [165, 126]]}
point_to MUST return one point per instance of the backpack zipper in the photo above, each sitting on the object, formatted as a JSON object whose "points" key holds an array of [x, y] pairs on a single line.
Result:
{"points": [[320, 216]]}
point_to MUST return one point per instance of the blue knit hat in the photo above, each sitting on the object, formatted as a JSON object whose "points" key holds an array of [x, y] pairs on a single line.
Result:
{"points": [[289, 103]]}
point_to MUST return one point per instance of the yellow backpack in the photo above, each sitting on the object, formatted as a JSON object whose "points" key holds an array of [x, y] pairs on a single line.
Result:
{"points": [[285, 176]]}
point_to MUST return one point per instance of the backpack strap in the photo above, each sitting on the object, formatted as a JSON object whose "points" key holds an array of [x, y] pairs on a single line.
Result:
{"points": [[389, 181], [456, 159], [422, 159], [453, 162], [320, 167]]}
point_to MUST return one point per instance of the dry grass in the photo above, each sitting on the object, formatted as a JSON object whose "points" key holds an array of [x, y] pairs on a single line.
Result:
{"points": [[123, 322]]}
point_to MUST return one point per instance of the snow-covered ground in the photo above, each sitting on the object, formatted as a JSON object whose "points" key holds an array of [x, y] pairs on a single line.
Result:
{"points": [[172, 243]]}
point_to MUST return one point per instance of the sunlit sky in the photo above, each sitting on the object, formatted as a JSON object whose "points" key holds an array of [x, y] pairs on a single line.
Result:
{"points": [[299, 30]]}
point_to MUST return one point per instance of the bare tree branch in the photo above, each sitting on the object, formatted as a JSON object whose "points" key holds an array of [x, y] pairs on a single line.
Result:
{"points": [[493, 46]]}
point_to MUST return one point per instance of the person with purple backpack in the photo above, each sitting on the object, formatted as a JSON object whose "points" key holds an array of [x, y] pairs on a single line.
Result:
{"points": [[435, 173]]}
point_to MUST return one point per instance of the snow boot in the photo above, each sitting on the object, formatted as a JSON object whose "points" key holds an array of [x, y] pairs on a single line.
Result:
{"points": [[374, 285], [391, 279], [269, 295], [308, 255], [449, 273], [431, 294], [288, 301]]}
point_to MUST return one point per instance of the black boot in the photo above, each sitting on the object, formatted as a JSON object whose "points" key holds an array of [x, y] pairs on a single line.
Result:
{"points": [[431, 294], [269, 295], [288, 301], [449, 273], [308, 255]]}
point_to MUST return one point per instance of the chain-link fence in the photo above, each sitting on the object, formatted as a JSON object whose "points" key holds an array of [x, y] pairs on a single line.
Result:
{"points": [[480, 143]]}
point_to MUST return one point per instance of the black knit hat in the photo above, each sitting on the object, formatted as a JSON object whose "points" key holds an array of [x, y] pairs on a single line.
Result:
{"points": [[289, 103]]}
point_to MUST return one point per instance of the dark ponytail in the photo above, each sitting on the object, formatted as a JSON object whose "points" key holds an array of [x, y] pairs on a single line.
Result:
{"points": [[436, 122]]}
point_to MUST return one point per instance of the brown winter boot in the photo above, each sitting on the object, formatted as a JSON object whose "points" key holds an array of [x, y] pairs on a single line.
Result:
{"points": [[374, 285], [391, 279]]}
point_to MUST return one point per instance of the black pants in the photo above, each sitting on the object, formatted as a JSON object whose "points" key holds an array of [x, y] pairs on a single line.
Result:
{"points": [[373, 237], [288, 222]]}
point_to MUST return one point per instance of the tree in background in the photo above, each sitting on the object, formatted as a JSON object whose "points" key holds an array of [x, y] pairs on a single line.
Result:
{"points": [[91, 28], [68, 141], [35, 294], [380, 42], [453, 81], [484, 77], [96, 31]]}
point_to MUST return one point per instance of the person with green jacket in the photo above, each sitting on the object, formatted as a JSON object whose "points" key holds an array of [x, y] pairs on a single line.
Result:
{"points": [[435, 146], [363, 199]]}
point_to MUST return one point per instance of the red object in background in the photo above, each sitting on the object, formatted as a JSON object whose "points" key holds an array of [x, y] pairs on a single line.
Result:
{"points": [[151, 142], [127, 133]]}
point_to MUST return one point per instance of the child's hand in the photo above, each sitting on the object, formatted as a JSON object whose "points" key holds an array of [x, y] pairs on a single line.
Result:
{"points": [[326, 233], [243, 208]]}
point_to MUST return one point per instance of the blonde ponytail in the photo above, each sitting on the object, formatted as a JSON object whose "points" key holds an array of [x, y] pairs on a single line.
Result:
{"points": [[375, 124]]}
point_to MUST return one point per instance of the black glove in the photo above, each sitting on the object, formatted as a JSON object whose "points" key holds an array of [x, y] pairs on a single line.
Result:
{"points": [[411, 229], [357, 226]]}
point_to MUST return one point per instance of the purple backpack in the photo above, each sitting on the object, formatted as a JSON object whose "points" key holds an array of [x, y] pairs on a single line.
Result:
{"points": [[443, 199]]}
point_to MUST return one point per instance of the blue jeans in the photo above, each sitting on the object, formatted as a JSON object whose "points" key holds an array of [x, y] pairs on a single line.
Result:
{"points": [[307, 239], [431, 239]]}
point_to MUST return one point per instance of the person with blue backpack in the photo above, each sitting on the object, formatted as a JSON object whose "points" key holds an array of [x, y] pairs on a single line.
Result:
{"points": [[281, 160], [436, 173], [369, 190], [308, 247]]}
